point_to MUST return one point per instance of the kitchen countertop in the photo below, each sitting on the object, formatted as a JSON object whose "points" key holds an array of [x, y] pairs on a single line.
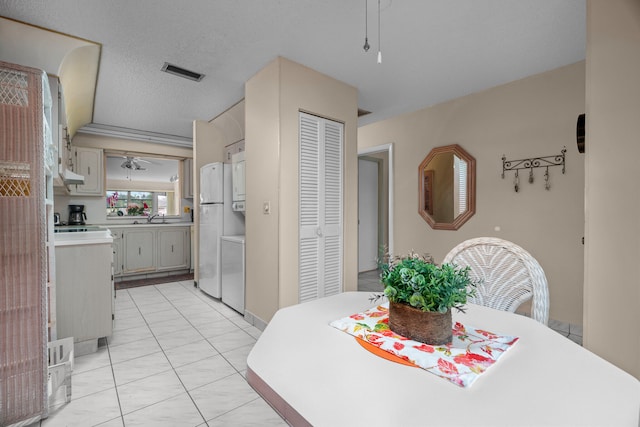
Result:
{"points": [[146, 224], [81, 235]]}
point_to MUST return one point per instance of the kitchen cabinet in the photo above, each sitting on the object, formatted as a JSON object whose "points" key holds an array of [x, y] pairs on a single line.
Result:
{"points": [[139, 250], [187, 179], [149, 249], [172, 248], [117, 252], [231, 149], [88, 163], [84, 294]]}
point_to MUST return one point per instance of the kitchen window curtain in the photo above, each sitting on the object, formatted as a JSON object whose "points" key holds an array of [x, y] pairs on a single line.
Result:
{"points": [[23, 327]]}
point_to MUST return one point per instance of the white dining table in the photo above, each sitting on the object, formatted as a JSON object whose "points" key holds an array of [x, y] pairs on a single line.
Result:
{"points": [[314, 374]]}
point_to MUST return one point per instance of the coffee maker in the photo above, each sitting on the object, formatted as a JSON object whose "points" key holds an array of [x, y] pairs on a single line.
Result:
{"points": [[77, 215]]}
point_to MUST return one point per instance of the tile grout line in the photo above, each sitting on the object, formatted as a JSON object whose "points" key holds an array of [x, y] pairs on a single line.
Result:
{"points": [[204, 338], [165, 355]]}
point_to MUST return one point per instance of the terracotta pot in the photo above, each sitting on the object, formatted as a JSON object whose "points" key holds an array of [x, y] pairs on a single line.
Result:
{"points": [[424, 326]]}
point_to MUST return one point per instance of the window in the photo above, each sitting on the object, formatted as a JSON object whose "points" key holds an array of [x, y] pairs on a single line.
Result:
{"points": [[135, 203], [142, 186]]}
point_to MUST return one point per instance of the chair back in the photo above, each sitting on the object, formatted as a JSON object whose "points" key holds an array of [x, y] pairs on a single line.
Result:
{"points": [[508, 275]]}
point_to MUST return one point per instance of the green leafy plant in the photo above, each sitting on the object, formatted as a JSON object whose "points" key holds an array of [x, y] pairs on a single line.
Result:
{"points": [[417, 281]]}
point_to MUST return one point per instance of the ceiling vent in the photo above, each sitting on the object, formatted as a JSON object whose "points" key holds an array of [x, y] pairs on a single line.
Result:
{"points": [[181, 72]]}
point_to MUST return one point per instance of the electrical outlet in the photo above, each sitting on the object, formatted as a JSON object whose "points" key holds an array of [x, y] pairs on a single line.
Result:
{"points": [[266, 208]]}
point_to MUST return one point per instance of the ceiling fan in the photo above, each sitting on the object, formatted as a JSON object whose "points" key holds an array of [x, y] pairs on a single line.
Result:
{"points": [[133, 163]]}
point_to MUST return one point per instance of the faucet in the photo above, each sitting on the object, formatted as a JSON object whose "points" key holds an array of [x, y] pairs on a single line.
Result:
{"points": [[151, 217]]}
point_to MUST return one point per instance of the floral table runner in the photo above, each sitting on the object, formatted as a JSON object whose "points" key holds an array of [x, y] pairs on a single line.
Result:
{"points": [[471, 352]]}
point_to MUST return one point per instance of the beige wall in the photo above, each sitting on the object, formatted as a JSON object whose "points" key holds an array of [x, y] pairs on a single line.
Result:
{"points": [[532, 117], [612, 229], [122, 144], [273, 99]]}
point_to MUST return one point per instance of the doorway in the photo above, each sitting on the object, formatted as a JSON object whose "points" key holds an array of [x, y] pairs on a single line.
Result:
{"points": [[375, 205]]}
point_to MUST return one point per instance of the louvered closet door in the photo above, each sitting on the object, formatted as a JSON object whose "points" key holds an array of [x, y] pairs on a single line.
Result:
{"points": [[321, 143]]}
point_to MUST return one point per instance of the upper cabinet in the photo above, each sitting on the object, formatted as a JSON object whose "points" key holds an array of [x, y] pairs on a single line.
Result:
{"points": [[231, 149], [88, 162], [187, 179]]}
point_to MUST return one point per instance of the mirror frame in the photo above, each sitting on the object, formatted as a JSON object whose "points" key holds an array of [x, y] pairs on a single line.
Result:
{"points": [[471, 188]]}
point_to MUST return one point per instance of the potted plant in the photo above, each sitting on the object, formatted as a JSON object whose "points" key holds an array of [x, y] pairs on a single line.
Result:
{"points": [[422, 294]]}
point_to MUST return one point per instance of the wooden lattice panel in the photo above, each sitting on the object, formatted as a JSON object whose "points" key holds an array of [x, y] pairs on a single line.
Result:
{"points": [[15, 179], [14, 88]]}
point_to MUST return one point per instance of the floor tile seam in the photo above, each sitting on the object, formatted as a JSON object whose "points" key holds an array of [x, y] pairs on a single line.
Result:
{"points": [[144, 378], [194, 326], [229, 350], [117, 317], [133, 340], [236, 408], [229, 362], [238, 329], [190, 324], [184, 385], [137, 357], [115, 385], [167, 357], [159, 401], [212, 382], [187, 343]]}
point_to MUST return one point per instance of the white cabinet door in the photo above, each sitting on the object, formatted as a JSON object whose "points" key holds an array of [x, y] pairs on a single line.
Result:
{"points": [[187, 179], [139, 250], [89, 163], [84, 291], [172, 249], [118, 251], [320, 211]]}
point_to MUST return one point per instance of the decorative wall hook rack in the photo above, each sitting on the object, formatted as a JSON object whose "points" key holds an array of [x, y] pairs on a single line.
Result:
{"points": [[531, 164]]}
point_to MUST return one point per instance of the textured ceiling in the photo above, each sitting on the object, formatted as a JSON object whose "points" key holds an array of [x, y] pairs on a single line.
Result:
{"points": [[432, 50]]}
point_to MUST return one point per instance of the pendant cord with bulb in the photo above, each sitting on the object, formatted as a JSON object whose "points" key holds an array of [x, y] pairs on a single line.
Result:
{"points": [[366, 28], [379, 48]]}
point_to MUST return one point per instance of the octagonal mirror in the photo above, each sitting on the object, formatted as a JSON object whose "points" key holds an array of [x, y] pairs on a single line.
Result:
{"points": [[447, 187]]}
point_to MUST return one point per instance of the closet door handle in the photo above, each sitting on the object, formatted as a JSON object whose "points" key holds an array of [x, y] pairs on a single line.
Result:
{"points": [[139, 250]]}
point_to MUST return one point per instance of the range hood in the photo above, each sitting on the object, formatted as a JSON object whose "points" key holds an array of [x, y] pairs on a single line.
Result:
{"points": [[70, 178]]}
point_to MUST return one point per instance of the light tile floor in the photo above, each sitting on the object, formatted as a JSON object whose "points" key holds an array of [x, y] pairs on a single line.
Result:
{"points": [[176, 358]]}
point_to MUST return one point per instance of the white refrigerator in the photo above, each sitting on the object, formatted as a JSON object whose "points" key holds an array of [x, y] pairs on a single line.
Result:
{"points": [[217, 219]]}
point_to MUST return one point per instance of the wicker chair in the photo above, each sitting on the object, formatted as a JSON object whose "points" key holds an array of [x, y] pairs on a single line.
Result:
{"points": [[508, 275]]}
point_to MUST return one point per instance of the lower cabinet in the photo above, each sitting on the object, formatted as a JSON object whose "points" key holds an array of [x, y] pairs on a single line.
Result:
{"points": [[84, 294], [139, 251], [173, 247], [117, 253], [148, 249]]}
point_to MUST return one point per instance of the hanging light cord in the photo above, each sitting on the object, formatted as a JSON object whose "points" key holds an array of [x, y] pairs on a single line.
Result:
{"points": [[366, 28], [379, 48]]}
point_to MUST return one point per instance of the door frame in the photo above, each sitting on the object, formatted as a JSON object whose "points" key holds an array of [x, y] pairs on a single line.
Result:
{"points": [[388, 148]]}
